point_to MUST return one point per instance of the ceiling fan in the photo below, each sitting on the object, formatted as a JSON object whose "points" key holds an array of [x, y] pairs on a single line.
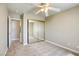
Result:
{"points": [[44, 7]]}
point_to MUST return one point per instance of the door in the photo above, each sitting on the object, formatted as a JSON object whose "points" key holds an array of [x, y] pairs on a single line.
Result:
{"points": [[36, 31], [41, 30], [15, 30]]}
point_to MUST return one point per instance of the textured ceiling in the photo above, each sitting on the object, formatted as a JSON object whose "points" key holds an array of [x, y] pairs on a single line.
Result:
{"points": [[31, 7]]}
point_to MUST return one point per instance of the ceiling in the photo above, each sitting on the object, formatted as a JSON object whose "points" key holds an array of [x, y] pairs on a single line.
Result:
{"points": [[30, 8]]}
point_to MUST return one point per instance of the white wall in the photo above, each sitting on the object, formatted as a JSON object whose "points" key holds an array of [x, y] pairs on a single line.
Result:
{"points": [[14, 15], [63, 28], [3, 29]]}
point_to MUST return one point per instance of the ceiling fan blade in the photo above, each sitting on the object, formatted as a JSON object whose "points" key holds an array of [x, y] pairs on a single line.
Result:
{"points": [[39, 6], [41, 10], [38, 11], [54, 9]]}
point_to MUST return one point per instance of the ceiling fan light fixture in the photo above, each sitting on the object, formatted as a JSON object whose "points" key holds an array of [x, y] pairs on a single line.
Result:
{"points": [[45, 7], [42, 9]]}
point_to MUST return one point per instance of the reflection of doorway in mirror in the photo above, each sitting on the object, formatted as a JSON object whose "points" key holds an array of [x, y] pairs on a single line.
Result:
{"points": [[36, 31], [15, 30]]}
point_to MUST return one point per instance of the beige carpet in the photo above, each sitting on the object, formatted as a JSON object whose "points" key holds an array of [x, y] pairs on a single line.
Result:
{"points": [[37, 49]]}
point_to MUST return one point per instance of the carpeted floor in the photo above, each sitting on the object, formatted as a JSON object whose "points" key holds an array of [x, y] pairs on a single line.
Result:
{"points": [[36, 49]]}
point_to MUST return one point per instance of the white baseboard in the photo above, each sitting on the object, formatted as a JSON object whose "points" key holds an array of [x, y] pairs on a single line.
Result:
{"points": [[74, 51]]}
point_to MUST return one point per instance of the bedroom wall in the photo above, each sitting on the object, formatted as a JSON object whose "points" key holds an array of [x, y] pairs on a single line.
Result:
{"points": [[14, 15], [3, 29], [63, 28]]}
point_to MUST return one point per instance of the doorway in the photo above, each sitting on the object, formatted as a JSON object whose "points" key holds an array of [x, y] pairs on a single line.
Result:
{"points": [[36, 31], [13, 30]]}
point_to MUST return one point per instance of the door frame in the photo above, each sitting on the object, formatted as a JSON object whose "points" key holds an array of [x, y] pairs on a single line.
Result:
{"points": [[8, 30], [28, 29]]}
